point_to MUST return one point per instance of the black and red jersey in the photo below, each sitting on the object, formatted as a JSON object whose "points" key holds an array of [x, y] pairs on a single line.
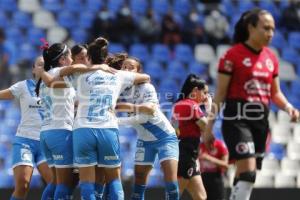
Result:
{"points": [[252, 73]]}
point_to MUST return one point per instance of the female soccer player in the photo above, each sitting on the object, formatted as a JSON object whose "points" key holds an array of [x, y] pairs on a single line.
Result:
{"points": [[247, 82], [190, 122], [26, 144], [156, 137], [79, 54]]}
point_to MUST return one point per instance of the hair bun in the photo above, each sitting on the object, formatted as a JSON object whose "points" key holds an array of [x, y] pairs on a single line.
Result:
{"points": [[100, 41]]}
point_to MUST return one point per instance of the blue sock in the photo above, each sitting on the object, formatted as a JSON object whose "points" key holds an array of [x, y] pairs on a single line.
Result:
{"points": [[99, 190], [138, 192], [63, 192], [87, 191], [172, 190], [115, 190], [14, 198], [48, 193]]}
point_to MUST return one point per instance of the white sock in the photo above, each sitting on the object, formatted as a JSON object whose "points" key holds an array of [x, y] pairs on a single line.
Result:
{"points": [[241, 191]]}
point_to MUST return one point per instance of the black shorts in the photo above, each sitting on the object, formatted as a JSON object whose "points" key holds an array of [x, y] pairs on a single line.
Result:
{"points": [[188, 164], [245, 133]]}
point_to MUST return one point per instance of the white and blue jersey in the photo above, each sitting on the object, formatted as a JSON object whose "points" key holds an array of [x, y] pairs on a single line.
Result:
{"points": [[58, 118], [96, 138], [156, 136], [26, 145]]}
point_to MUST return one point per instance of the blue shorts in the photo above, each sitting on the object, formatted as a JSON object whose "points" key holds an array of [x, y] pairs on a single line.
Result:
{"points": [[166, 149], [94, 146], [57, 146], [27, 152]]}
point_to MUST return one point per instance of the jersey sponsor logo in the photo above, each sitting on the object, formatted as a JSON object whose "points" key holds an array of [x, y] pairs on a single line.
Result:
{"points": [[140, 154], [58, 157], [96, 79], [228, 65], [247, 62], [256, 87], [190, 171], [245, 148], [270, 65], [260, 74]]}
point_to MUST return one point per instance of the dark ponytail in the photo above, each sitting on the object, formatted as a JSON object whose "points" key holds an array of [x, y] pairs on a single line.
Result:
{"points": [[190, 83], [51, 57], [241, 33], [98, 50], [116, 60]]}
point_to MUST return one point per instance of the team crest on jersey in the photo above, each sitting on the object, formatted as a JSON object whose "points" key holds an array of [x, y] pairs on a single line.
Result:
{"points": [[247, 62], [228, 65], [270, 65]]}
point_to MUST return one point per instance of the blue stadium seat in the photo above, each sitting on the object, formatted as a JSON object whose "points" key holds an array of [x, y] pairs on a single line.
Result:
{"points": [[73, 5], [290, 54], [86, 19], [115, 5], [294, 40], [277, 150], [27, 52], [93, 5], [139, 51], [197, 68], [4, 20], [284, 87], [160, 52], [295, 85], [139, 7], [176, 70], [168, 89], [278, 40], [116, 48], [184, 53], [245, 5], [67, 19], [182, 7], [79, 36], [271, 7], [34, 35], [52, 5], [8, 5], [160, 7], [22, 19], [154, 69], [14, 34]]}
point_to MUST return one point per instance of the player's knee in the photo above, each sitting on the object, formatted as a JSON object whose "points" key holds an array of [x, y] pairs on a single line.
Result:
{"points": [[22, 185], [249, 176]]}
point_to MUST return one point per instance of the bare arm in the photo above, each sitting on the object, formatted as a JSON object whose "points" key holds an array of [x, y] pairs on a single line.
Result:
{"points": [[147, 108], [141, 78], [136, 119], [281, 102], [223, 162], [202, 122], [6, 95], [80, 68], [52, 81]]}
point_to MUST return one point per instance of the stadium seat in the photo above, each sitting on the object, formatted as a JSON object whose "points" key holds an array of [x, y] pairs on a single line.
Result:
{"points": [[56, 34], [4, 20], [284, 181], [14, 34], [160, 52], [27, 52], [115, 6], [93, 5], [8, 5], [182, 7], [139, 51], [291, 55], [160, 7], [42, 16], [272, 118], [34, 35], [289, 166], [22, 19], [176, 70], [204, 53], [167, 90], [244, 6], [29, 6], [293, 150], [86, 19], [264, 181], [294, 40], [221, 50], [139, 7], [283, 117], [184, 53], [277, 151], [154, 69], [67, 19], [52, 5], [281, 133], [73, 5], [296, 133], [295, 85], [116, 48], [197, 68], [270, 166], [278, 40], [79, 36], [286, 71]]}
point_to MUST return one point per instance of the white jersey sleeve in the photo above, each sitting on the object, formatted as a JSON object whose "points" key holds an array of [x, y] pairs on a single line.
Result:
{"points": [[17, 89], [126, 79]]}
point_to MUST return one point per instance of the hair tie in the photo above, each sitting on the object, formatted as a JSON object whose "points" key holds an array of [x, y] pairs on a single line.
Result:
{"points": [[45, 45]]}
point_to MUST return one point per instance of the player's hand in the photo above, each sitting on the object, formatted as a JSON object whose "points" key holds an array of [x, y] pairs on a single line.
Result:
{"points": [[38, 70], [148, 109], [294, 114], [208, 136]]}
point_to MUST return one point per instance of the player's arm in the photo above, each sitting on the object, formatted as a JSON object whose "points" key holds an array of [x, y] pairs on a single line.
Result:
{"points": [[6, 94], [147, 108], [80, 68], [223, 162], [281, 102], [202, 122], [141, 78], [52, 81], [136, 119]]}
